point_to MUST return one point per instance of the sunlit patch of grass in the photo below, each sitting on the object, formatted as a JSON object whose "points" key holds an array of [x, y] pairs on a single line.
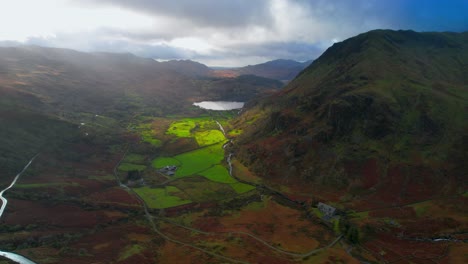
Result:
{"points": [[240, 187], [218, 173], [160, 198], [131, 167], [182, 128], [209, 137], [165, 161]]}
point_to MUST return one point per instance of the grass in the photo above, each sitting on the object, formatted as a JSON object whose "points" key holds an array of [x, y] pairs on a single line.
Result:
{"points": [[336, 225], [209, 137], [147, 136], [130, 251], [135, 158], [235, 132], [200, 189], [165, 161], [182, 128], [317, 212], [199, 160], [131, 167], [240, 187], [160, 198], [219, 174], [214, 181]]}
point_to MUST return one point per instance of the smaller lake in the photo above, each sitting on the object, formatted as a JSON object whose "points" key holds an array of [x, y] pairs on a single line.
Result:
{"points": [[219, 105]]}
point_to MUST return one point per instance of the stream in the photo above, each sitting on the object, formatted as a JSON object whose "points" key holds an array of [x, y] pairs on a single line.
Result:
{"points": [[12, 256]]}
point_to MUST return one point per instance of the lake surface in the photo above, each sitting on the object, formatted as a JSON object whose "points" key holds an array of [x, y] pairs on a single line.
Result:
{"points": [[219, 105]]}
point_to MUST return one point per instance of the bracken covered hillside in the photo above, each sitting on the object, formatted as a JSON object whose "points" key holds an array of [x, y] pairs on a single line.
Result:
{"points": [[379, 119]]}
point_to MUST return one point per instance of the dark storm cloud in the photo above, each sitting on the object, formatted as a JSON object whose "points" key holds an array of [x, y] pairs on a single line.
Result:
{"points": [[211, 13]]}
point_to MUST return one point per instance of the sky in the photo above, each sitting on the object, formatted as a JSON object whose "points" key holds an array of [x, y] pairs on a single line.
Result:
{"points": [[217, 32]]}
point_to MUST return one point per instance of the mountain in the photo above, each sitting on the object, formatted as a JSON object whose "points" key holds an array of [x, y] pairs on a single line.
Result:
{"points": [[283, 70], [378, 122], [188, 67], [50, 88], [377, 127]]}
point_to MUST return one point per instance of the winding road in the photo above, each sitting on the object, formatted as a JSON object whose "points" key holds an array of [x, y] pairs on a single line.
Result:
{"points": [[12, 256], [4, 200]]}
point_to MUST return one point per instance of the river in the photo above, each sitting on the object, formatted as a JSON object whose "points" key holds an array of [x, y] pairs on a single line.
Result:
{"points": [[12, 256]]}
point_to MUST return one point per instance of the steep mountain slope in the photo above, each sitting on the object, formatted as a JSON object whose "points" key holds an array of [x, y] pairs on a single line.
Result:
{"points": [[379, 119], [283, 70]]}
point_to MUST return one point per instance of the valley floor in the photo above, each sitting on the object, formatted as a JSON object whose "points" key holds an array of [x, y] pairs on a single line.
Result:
{"points": [[118, 203]]}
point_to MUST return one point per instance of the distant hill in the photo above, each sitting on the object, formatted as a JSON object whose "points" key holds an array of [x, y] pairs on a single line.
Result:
{"points": [[188, 67], [49, 89], [379, 119], [283, 70]]}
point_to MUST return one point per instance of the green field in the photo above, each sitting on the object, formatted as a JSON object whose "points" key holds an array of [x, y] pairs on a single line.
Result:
{"points": [[160, 198], [200, 176], [199, 160], [200, 189], [240, 187], [182, 128], [131, 167], [147, 136], [219, 174], [165, 161], [209, 137]]}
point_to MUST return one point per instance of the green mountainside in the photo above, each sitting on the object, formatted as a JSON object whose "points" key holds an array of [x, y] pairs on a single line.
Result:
{"points": [[394, 99]]}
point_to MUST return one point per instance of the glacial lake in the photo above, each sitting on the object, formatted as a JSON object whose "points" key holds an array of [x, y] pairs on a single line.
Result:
{"points": [[219, 105]]}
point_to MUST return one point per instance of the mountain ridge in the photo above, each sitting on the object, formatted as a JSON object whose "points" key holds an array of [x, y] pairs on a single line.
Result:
{"points": [[279, 69], [357, 97]]}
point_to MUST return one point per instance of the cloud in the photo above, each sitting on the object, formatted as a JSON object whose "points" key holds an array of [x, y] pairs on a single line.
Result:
{"points": [[219, 32], [96, 41], [206, 13]]}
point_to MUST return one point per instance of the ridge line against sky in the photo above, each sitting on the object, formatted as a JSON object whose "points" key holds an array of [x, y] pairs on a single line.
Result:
{"points": [[217, 32]]}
